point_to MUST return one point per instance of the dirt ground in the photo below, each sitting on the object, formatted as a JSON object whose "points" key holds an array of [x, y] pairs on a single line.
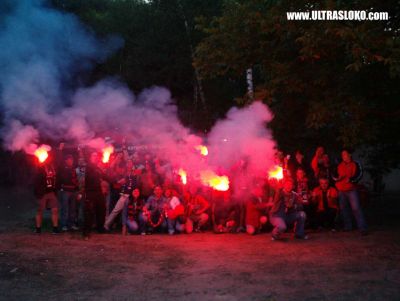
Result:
{"points": [[330, 266]]}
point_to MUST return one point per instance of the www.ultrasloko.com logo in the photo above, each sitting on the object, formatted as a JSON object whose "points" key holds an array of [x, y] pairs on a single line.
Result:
{"points": [[337, 15]]}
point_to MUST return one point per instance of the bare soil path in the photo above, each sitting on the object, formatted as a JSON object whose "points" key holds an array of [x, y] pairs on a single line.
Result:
{"points": [[330, 266]]}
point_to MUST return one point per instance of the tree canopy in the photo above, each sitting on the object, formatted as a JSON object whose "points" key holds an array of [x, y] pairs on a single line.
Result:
{"points": [[329, 82], [334, 83]]}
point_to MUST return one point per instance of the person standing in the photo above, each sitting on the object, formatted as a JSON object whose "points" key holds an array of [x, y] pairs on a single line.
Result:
{"points": [[45, 192], [129, 181], [317, 160], [296, 162], [94, 206], [349, 200], [67, 184]]}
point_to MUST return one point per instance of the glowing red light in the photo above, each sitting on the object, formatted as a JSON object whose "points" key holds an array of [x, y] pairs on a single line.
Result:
{"points": [[107, 151], [42, 152], [183, 175], [276, 173], [209, 178], [202, 149]]}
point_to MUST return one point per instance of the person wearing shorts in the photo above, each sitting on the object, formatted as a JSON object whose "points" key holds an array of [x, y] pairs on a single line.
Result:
{"points": [[45, 192]]}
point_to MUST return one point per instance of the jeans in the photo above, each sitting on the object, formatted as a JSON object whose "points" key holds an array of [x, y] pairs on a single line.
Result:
{"points": [[351, 199], [108, 204], [281, 223], [199, 219], [112, 199], [119, 206], [143, 220], [67, 201], [132, 226], [94, 207], [174, 225], [327, 218], [142, 223]]}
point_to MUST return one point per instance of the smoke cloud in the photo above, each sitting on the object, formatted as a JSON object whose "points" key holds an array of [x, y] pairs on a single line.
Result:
{"points": [[44, 53]]}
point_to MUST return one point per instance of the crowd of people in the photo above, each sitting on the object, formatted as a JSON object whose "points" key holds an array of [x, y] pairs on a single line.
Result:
{"points": [[133, 194]]}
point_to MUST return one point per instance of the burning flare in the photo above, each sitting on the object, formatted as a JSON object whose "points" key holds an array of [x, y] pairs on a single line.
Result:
{"points": [[276, 173], [183, 175], [42, 152], [209, 178], [107, 151], [202, 149]]}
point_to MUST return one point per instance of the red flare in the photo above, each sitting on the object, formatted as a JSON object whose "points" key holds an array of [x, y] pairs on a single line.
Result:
{"points": [[107, 151], [209, 178], [202, 149], [183, 176], [276, 173], [42, 152]]}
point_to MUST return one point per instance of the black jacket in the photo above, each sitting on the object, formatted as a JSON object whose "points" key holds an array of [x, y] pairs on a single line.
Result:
{"points": [[67, 179], [45, 180], [93, 178]]}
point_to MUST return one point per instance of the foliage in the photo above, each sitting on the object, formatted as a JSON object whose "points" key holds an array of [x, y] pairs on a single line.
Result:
{"points": [[328, 82], [333, 83]]}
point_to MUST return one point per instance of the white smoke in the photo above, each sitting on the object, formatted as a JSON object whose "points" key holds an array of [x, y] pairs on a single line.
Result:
{"points": [[46, 50], [41, 51]]}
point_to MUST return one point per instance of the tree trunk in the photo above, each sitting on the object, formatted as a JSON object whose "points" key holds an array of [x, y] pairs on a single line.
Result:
{"points": [[198, 88], [250, 86]]}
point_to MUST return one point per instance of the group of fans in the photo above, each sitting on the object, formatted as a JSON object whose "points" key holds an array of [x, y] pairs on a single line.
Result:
{"points": [[133, 193]]}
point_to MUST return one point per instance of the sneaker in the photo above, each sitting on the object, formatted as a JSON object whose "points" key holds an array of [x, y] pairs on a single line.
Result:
{"points": [[74, 228], [85, 236], [143, 233], [240, 230], [197, 230], [38, 230], [304, 237], [274, 238], [56, 230], [64, 229]]}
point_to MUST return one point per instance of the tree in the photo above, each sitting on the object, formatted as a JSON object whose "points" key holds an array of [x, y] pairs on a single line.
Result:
{"points": [[328, 82], [160, 37]]}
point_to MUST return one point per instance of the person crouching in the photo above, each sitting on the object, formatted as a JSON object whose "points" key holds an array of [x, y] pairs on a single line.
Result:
{"points": [[154, 211], [175, 213], [256, 211], [287, 210], [131, 221]]}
